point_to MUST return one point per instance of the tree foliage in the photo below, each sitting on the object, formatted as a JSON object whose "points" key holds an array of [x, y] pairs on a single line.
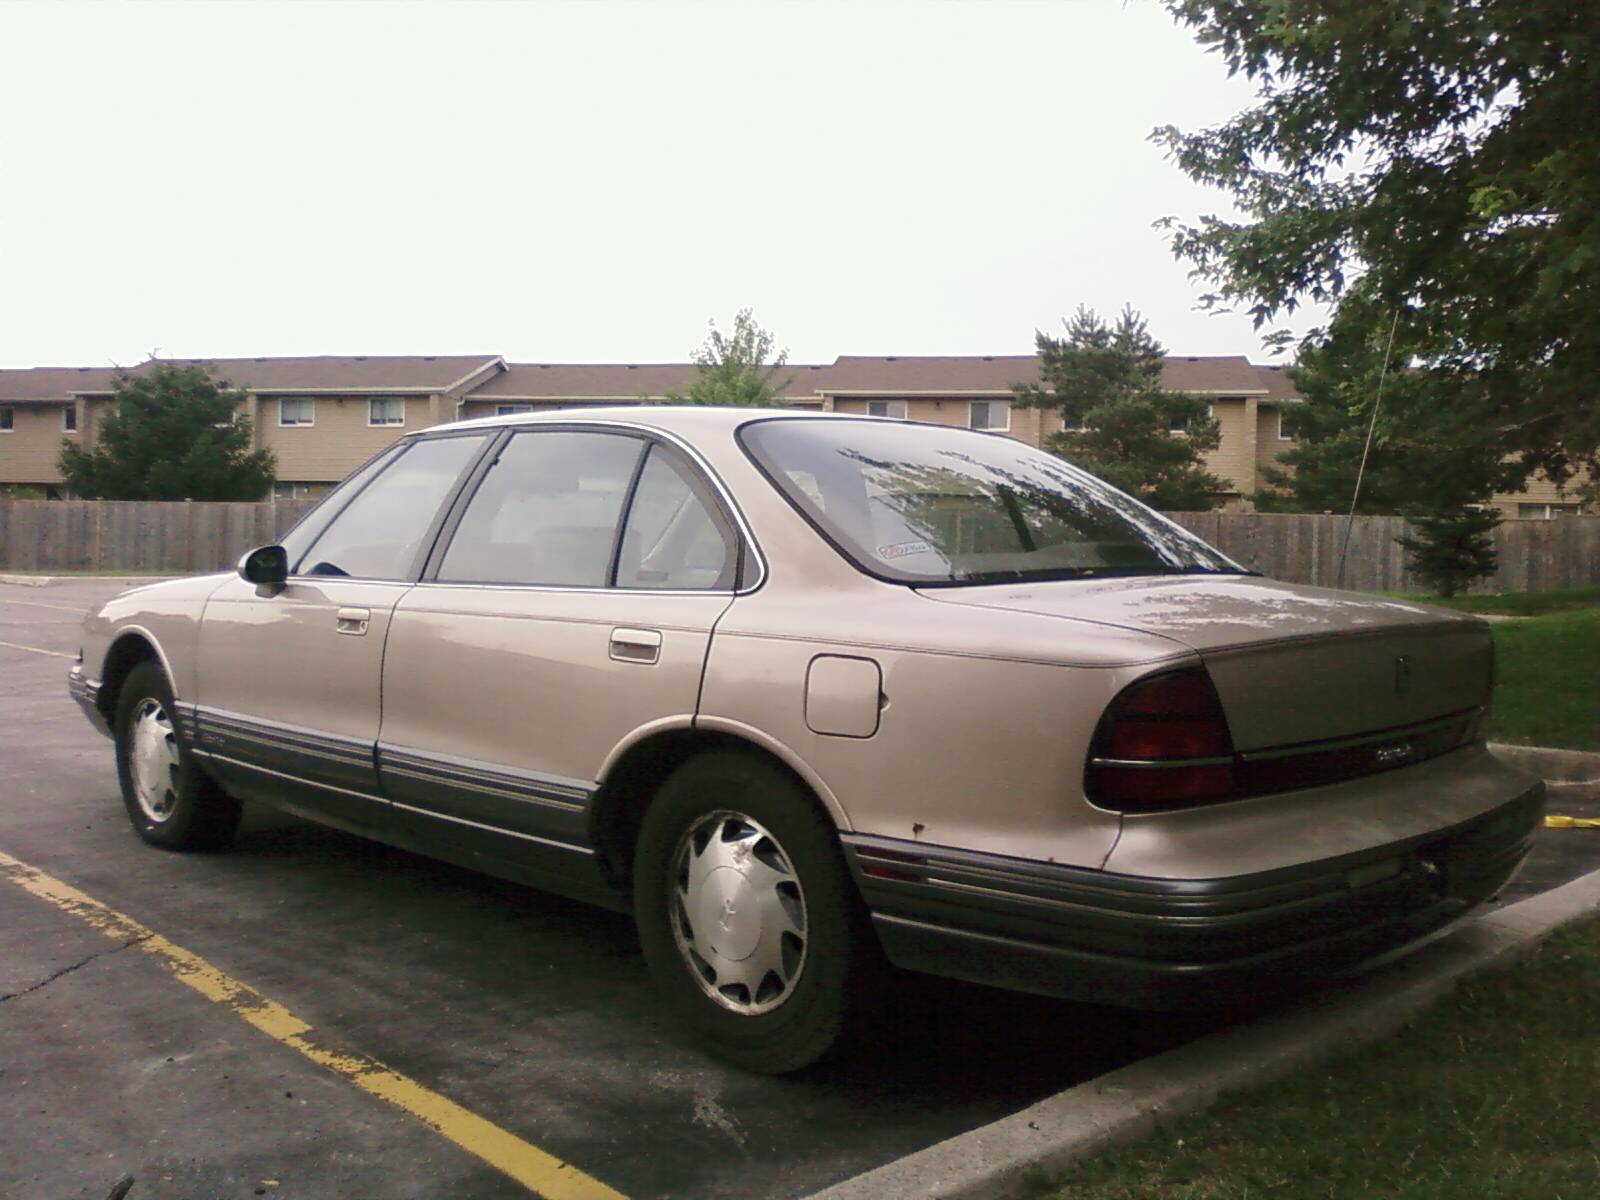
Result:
{"points": [[1439, 154], [1413, 467], [1453, 549], [1122, 425], [173, 434], [742, 367]]}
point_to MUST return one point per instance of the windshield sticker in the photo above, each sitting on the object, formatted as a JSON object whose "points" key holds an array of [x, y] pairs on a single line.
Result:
{"points": [[901, 549]]}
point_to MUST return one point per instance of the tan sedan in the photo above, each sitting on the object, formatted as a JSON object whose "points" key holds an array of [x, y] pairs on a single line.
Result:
{"points": [[812, 693]]}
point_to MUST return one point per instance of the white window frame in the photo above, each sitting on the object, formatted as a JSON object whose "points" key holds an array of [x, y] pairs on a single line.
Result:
{"points": [[69, 419], [1006, 405], [1282, 436], [893, 409], [311, 408], [8, 419], [375, 421], [512, 410]]}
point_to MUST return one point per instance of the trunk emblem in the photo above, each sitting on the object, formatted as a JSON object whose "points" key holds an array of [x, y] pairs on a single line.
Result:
{"points": [[1387, 756], [1402, 675]]}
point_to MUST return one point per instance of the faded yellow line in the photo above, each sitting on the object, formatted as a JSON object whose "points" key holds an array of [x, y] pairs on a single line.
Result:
{"points": [[533, 1168], [37, 650]]}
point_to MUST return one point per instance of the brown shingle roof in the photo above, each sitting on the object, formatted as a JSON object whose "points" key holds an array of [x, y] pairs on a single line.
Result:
{"points": [[52, 384], [930, 374], [616, 381], [350, 373], [1279, 385]]}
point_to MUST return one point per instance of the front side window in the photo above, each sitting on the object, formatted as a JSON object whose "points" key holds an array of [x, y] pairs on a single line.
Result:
{"points": [[989, 414], [887, 408], [379, 534], [676, 536], [1283, 433], [934, 505], [547, 512], [7, 419], [69, 419], [386, 410], [297, 410]]}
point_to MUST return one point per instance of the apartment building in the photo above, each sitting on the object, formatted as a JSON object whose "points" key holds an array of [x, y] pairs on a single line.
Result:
{"points": [[323, 416]]}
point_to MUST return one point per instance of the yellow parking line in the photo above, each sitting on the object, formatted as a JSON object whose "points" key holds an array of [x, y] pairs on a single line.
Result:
{"points": [[533, 1168], [37, 650]]}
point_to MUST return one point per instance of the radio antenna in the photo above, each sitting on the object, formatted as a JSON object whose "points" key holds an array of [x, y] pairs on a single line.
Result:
{"points": [[1366, 450]]}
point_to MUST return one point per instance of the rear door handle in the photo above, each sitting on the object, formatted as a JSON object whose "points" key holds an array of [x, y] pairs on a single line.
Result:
{"points": [[636, 645], [353, 621]]}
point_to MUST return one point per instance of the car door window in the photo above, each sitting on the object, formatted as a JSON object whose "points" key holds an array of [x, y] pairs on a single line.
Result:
{"points": [[676, 536], [547, 512], [379, 534]]}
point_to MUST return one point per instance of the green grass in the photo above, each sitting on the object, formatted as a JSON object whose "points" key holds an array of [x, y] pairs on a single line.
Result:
{"points": [[1547, 682], [1512, 604], [1492, 1095]]}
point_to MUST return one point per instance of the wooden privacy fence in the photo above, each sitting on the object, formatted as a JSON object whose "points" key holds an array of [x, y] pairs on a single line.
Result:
{"points": [[1533, 555], [111, 535], [182, 537]]}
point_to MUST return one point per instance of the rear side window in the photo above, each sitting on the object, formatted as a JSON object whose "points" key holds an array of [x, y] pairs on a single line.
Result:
{"points": [[547, 512], [676, 538], [379, 534]]}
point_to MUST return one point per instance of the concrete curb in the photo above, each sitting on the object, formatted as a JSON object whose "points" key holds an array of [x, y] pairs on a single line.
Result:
{"points": [[999, 1159], [28, 580], [1551, 765]]}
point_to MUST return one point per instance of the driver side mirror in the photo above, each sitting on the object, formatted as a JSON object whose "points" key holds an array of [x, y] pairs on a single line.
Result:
{"points": [[266, 566]]}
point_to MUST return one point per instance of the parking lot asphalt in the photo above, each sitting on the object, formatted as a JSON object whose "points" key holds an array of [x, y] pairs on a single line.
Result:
{"points": [[531, 1013]]}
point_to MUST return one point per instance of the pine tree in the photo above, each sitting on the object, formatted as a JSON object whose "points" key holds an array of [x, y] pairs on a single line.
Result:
{"points": [[1121, 424], [174, 434]]}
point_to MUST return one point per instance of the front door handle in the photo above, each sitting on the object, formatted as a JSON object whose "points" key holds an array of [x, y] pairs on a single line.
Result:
{"points": [[353, 621], [636, 645]]}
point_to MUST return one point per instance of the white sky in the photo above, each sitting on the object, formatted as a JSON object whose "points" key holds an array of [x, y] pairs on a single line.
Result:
{"points": [[591, 181]]}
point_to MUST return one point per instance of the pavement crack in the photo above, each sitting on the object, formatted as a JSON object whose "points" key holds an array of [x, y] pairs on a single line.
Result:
{"points": [[71, 967]]}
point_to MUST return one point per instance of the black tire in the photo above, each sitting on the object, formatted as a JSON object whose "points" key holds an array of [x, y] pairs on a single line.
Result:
{"points": [[182, 806], [743, 802]]}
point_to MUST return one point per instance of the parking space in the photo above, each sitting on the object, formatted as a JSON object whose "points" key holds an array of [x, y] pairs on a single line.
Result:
{"points": [[532, 1014]]}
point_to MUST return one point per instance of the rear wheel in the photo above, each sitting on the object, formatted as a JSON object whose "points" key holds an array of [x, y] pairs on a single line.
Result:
{"points": [[170, 799], [746, 913]]}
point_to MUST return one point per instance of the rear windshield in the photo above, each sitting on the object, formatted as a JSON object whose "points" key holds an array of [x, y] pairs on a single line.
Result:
{"points": [[934, 505]]}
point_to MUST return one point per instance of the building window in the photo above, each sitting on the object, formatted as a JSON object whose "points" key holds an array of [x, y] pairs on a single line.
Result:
{"points": [[69, 419], [7, 417], [1546, 512], [1283, 434], [386, 410], [297, 410], [1181, 424], [887, 408], [993, 415], [511, 410]]}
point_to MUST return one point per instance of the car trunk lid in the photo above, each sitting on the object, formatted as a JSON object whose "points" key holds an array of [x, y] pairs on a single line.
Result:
{"points": [[1291, 664]]}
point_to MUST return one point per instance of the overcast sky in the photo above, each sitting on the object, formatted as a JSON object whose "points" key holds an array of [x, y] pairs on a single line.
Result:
{"points": [[591, 181]]}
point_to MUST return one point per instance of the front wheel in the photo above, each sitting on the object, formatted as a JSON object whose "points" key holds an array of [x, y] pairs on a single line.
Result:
{"points": [[171, 801], [746, 913]]}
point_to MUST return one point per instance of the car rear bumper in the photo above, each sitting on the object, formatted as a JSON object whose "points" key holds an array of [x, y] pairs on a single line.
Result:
{"points": [[1143, 942], [86, 692]]}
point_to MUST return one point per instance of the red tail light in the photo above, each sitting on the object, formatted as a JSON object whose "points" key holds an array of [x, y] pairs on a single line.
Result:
{"points": [[1163, 743]]}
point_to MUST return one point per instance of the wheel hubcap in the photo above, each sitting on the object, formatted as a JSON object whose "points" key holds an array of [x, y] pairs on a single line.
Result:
{"points": [[738, 913], [153, 760]]}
